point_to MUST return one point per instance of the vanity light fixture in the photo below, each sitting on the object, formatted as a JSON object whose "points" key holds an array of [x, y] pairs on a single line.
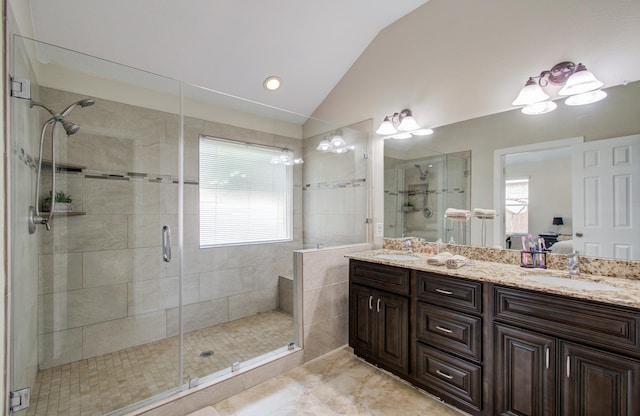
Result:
{"points": [[334, 143], [272, 83], [580, 85], [286, 158], [401, 125]]}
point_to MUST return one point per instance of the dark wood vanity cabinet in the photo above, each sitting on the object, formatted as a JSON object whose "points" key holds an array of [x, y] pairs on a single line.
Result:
{"points": [[496, 350], [379, 318], [559, 355]]}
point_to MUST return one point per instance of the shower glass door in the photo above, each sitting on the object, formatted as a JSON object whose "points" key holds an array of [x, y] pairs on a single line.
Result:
{"points": [[242, 222], [95, 290]]}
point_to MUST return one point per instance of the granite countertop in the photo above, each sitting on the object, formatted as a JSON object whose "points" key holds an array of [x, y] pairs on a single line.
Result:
{"points": [[513, 275]]}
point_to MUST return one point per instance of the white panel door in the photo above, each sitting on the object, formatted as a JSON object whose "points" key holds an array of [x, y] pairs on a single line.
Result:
{"points": [[606, 198]]}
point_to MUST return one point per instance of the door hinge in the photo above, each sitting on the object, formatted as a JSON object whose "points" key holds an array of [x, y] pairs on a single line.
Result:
{"points": [[20, 88], [19, 399]]}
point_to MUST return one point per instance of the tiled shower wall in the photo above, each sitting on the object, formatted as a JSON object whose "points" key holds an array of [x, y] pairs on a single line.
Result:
{"points": [[102, 283]]}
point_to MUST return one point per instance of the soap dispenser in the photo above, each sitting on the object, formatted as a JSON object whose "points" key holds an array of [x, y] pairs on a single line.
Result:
{"points": [[573, 264]]}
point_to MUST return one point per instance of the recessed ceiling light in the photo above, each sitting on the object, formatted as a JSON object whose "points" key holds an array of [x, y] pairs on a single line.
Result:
{"points": [[272, 83]]}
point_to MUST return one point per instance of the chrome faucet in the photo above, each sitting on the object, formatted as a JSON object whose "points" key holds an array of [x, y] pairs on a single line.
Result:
{"points": [[406, 243], [573, 263]]}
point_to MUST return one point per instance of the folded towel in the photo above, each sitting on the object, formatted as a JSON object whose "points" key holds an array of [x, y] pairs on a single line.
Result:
{"points": [[457, 214], [456, 262], [484, 213], [439, 259]]}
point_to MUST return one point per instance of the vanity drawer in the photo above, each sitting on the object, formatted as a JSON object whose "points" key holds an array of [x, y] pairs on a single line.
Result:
{"points": [[452, 331], [584, 321], [450, 292], [389, 278], [449, 377]]}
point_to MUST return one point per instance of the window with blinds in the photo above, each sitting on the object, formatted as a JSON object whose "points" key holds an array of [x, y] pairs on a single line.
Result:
{"points": [[516, 206], [245, 198]]}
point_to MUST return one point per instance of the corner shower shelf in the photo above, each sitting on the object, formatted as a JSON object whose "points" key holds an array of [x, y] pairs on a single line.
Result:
{"points": [[63, 167], [64, 214]]}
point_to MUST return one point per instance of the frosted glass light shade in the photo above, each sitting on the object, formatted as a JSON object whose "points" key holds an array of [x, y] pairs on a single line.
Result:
{"points": [[581, 81], [586, 98], [402, 136], [530, 94], [422, 132], [408, 123], [386, 128], [539, 108], [324, 145], [337, 141]]}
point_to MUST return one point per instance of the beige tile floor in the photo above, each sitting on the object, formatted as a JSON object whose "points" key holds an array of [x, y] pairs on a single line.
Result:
{"points": [[338, 383], [99, 385]]}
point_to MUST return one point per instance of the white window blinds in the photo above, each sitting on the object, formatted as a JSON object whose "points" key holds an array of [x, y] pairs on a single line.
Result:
{"points": [[244, 197], [516, 204]]}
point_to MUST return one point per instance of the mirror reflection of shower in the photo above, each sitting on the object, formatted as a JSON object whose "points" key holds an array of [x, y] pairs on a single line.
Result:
{"points": [[418, 191], [70, 128], [423, 175]]}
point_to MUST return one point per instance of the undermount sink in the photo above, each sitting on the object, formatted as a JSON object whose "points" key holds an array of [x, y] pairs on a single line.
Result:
{"points": [[393, 256], [571, 283]]}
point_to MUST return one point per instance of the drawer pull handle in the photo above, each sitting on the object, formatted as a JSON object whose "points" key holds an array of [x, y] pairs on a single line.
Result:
{"points": [[443, 329], [378, 305], [370, 300], [546, 353], [445, 375], [444, 292]]}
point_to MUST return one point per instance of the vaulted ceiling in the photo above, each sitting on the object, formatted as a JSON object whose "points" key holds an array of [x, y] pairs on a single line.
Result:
{"points": [[224, 45]]}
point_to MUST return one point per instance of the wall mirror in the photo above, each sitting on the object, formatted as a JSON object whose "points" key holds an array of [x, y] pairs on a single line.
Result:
{"points": [[614, 117]]}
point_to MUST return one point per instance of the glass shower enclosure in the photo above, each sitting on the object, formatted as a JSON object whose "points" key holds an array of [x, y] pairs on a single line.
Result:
{"points": [[114, 301], [418, 191]]}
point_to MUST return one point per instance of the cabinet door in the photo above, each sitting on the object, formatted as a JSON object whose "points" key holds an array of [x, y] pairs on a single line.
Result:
{"points": [[597, 383], [393, 330], [361, 319], [524, 372]]}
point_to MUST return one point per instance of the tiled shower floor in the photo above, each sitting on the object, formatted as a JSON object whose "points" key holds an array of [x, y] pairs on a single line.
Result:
{"points": [[109, 382]]}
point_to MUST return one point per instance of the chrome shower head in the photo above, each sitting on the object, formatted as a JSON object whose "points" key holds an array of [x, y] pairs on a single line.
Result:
{"points": [[69, 127], [423, 175], [82, 103]]}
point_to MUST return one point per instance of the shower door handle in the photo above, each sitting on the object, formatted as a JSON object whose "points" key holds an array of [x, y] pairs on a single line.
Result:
{"points": [[166, 243]]}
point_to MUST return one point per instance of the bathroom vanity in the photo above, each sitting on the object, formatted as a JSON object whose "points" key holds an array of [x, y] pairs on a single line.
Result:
{"points": [[489, 340]]}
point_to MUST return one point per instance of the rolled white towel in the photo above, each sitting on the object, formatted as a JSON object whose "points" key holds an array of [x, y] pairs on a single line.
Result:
{"points": [[457, 214], [439, 259], [456, 262], [484, 213]]}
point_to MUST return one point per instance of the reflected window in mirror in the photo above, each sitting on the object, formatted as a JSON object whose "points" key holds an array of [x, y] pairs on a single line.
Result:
{"points": [[516, 206]]}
